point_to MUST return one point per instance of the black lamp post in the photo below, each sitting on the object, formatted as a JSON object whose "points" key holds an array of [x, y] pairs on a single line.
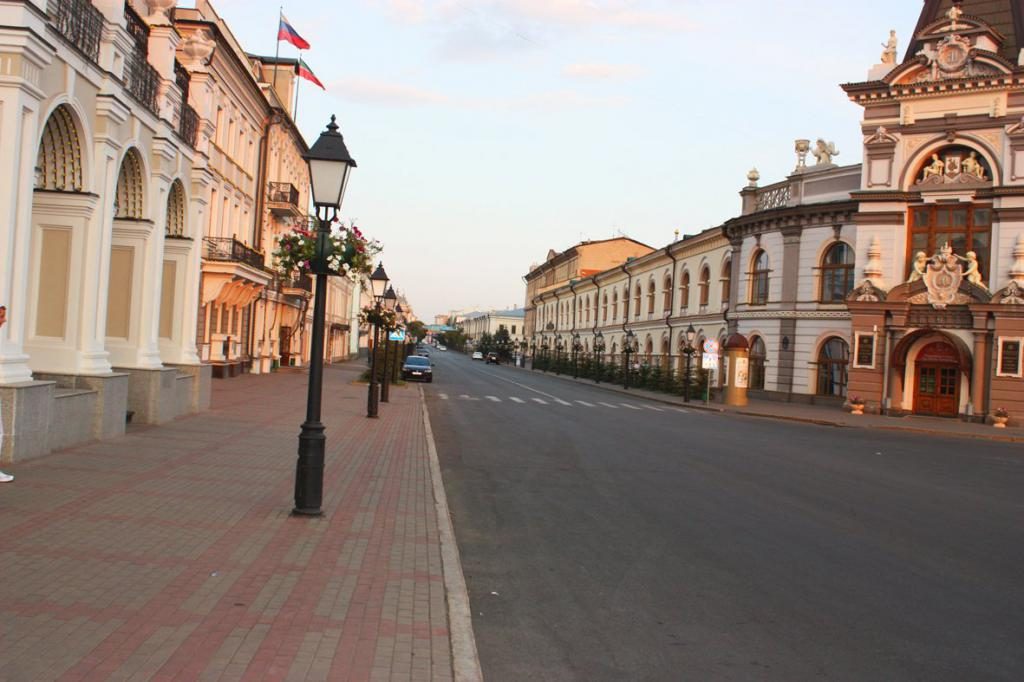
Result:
{"points": [[577, 346], [598, 352], [400, 321], [629, 346], [689, 350], [533, 354], [559, 347], [545, 347], [378, 285], [390, 302], [330, 166]]}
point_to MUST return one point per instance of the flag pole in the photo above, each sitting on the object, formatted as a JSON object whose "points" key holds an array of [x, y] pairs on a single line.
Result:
{"points": [[277, 50], [298, 82]]}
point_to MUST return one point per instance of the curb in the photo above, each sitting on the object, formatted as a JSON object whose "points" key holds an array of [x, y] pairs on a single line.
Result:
{"points": [[790, 418], [465, 659]]}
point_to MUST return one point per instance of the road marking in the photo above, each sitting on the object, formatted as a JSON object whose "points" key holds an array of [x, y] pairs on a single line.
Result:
{"points": [[562, 402], [584, 403], [631, 407], [494, 399], [679, 409], [468, 397], [442, 396], [652, 407], [528, 388], [517, 400], [540, 400], [614, 407]]}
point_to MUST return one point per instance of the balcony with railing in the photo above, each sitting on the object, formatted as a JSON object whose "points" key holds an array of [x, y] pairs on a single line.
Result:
{"points": [[283, 200], [232, 250], [298, 285], [79, 23]]}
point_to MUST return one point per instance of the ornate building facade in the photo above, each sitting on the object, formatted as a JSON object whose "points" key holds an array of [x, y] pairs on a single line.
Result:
{"points": [[102, 193]]}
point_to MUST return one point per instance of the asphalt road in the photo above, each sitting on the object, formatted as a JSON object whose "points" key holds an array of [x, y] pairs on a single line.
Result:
{"points": [[608, 538]]}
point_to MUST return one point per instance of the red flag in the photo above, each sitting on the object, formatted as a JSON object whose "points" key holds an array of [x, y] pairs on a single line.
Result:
{"points": [[307, 73], [287, 33]]}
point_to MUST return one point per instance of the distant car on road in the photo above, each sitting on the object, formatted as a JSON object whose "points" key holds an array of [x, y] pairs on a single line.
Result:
{"points": [[442, 347], [492, 359], [423, 352], [418, 368], [477, 355]]}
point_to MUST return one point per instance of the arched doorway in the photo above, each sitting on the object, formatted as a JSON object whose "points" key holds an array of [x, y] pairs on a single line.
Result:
{"points": [[937, 380]]}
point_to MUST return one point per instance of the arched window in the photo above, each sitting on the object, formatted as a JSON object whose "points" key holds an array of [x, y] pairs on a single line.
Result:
{"points": [[588, 309], [758, 355], [833, 361], [684, 291], [726, 282], [59, 162], [176, 211], [705, 285], [128, 201], [615, 305], [837, 273], [604, 308], [759, 279], [636, 304], [651, 289], [666, 302]]}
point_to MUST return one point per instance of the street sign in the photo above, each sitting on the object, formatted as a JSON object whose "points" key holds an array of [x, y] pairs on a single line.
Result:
{"points": [[711, 346], [709, 361], [398, 335]]}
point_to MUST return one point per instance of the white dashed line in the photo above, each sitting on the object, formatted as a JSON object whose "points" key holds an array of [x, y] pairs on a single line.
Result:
{"points": [[562, 402], [628, 406], [469, 397], [584, 403], [679, 409], [494, 399], [540, 400], [516, 400], [614, 407], [442, 396], [652, 407]]}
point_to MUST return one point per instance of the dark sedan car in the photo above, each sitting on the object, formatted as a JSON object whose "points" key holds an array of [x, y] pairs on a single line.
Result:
{"points": [[417, 368]]}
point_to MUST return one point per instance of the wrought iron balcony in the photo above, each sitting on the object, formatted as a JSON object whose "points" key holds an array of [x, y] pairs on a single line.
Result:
{"points": [[283, 199], [188, 124], [141, 80], [80, 23], [230, 249], [303, 282]]}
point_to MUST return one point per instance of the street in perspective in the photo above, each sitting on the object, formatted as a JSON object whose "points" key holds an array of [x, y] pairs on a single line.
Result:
{"points": [[576, 340]]}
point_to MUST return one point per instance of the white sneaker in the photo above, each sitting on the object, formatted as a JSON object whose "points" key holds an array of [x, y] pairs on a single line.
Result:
{"points": [[4, 478]]}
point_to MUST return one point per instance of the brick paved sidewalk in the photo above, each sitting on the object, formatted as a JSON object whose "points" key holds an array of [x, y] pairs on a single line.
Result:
{"points": [[171, 554], [825, 415]]}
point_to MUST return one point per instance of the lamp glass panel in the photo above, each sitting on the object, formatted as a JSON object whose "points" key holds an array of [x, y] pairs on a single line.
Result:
{"points": [[328, 181]]}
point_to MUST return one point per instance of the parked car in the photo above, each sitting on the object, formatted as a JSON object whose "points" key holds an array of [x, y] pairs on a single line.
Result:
{"points": [[440, 347], [477, 355], [418, 368], [491, 359]]}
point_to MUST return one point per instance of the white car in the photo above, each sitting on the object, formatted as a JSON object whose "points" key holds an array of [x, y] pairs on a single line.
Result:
{"points": [[477, 355], [442, 348]]}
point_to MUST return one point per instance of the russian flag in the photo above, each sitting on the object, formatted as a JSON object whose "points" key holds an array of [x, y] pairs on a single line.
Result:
{"points": [[287, 33], [307, 73]]}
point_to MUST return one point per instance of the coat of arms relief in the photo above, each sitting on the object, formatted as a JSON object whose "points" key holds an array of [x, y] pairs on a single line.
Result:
{"points": [[942, 274]]}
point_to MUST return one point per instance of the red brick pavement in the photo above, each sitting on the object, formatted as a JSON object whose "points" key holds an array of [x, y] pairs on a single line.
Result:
{"points": [[170, 553]]}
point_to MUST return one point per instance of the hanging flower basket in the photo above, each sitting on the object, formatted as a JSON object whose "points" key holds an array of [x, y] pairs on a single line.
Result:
{"points": [[350, 253]]}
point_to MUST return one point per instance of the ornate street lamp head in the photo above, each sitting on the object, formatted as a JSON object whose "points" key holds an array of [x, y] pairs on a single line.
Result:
{"points": [[378, 282], [330, 165]]}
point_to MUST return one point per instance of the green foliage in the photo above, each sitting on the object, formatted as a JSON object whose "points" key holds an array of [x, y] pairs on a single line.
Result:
{"points": [[415, 331]]}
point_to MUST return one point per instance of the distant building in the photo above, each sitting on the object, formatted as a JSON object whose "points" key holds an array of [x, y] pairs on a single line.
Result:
{"points": [[582, 260], [475, 325]]}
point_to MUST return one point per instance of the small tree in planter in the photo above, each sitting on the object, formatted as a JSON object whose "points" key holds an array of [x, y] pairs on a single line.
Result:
{"points": [[856, 405]]}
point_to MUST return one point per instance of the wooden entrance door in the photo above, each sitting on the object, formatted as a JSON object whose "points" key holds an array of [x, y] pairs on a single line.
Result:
{"points": [[938, 381], [285, 346]]}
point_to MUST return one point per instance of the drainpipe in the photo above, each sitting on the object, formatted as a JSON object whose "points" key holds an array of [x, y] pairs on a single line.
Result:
{"points": [[597, 304], [886, 400], [672, 305]]}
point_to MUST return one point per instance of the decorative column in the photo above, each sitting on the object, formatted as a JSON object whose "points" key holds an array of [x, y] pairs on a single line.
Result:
{"points": [[979, 373], [22, 58]]}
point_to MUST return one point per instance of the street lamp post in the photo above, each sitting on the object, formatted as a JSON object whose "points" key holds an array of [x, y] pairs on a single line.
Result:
{"points": [[691, 334], [559, 347], [576, 348], [629, 346], [390, 301], [545, 347], [598, 352], [330, 166], [378, 285], [533, 354]]}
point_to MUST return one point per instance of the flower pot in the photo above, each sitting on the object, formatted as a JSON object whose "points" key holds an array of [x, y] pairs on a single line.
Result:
{"points": [[856, 408], [1000, 422]]}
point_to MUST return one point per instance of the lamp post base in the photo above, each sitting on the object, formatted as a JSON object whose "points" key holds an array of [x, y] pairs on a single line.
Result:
{"points": [[309, 470]]}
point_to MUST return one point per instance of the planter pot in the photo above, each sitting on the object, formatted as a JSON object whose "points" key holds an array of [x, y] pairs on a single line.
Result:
{"points": [[1000, 422], [856, 409]]}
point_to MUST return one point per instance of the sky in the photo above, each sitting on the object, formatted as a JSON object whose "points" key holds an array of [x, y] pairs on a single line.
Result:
{"points": [[490, 131]]}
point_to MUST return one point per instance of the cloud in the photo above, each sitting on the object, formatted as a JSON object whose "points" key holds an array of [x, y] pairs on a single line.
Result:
{"points": [[387, 93], [594, 71], [585, 13], [403, 96]]}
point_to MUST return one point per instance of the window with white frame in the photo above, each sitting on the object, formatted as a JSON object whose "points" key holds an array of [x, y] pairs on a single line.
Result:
{"points": [[1009, 357]]}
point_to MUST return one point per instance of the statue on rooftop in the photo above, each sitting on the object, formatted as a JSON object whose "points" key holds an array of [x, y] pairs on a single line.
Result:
{"points": [[889, 55], [824, 151]]}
